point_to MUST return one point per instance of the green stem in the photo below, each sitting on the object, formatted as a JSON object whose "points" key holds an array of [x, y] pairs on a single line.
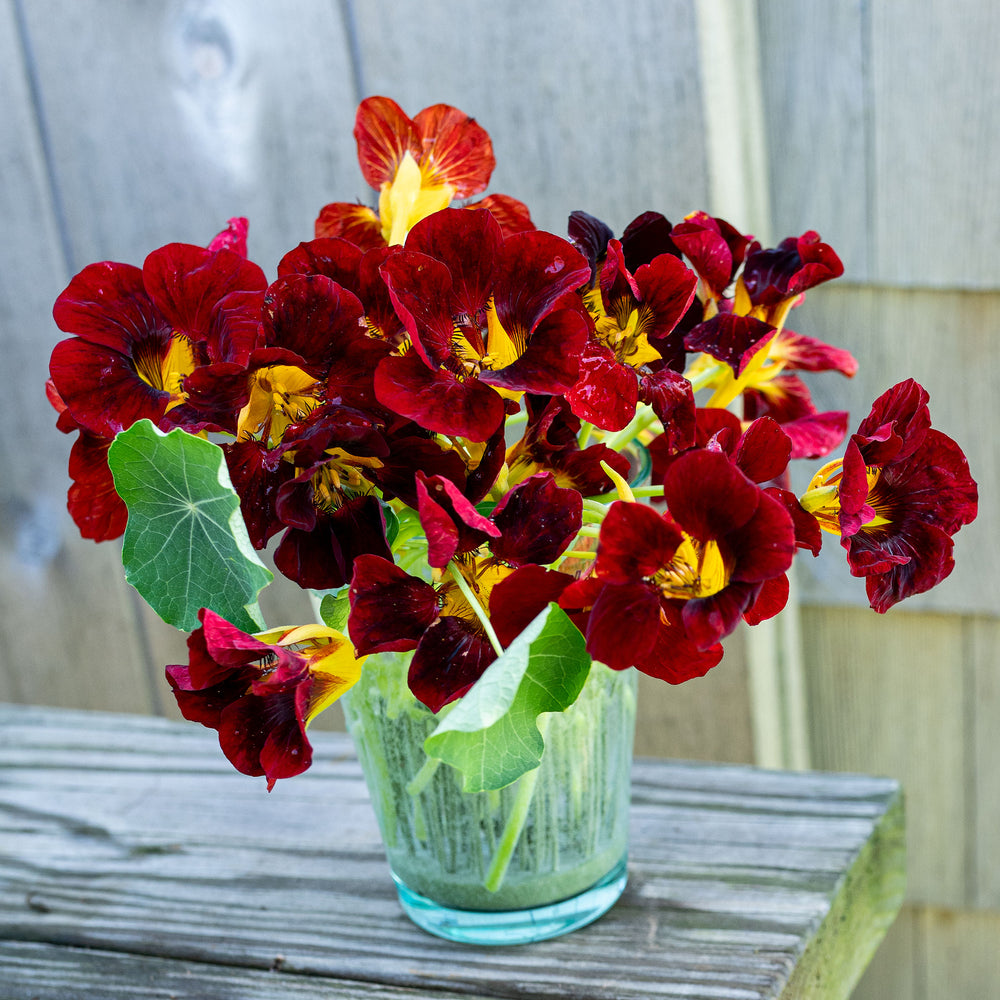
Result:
{"points": [[637, 491], [484, 619], [644, 416], [423, 777], [583, 438], [515, 822]]}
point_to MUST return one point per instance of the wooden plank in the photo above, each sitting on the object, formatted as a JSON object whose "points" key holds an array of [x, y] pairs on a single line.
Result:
{"points": [[590, 105], [817, 123], [982, 642], [133, 836], [938, 338], [35, 971], [887, 695], [68, 633], [935, 86]]}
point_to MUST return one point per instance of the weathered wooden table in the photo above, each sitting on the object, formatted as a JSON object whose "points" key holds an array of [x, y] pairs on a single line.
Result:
{"points": [[135, 863]]}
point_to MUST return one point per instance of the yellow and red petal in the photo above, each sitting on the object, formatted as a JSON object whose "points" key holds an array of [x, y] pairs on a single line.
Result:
{"points": [[454, 149], [384, 134], [357, 224]]}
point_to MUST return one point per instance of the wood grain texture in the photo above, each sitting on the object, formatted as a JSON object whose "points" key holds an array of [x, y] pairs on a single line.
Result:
{"points": [[817, 124], [168, 118], [60, 598], [935, 91], [982, 642], [590, 105], [134, 836]]}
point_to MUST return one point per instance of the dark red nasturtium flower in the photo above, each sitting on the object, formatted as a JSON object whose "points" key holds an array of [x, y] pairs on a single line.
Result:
{"points": [[900, 493], [489, 318], [550, 443], [715, 248], [261, 691], [139, 336], [496, 559], [666, 588], [636, 348]]}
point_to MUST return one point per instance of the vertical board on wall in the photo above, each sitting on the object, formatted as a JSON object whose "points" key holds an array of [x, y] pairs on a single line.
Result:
{"points": [[166, 119], [935, 87], [68, 632], [581, 114], [130, 126], [818, 122], [887, 696], [982, 654]]}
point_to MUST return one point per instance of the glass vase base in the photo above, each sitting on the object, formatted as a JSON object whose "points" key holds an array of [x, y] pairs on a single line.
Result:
{"points": [[499, 927]]}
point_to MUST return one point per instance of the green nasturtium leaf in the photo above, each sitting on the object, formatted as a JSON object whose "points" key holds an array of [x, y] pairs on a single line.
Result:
{"points": [[334, 609], [492, 735], [186, 546]]}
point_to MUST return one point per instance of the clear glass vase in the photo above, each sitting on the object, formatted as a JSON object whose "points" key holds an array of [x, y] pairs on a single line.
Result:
{"points": [[531, 861]]}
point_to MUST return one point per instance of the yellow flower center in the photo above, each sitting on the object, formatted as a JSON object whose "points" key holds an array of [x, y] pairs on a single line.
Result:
{"points": [[279, 395], [342, 472], [822, 498], [698, 569], [622, 331], [482, 575], [166, 372], [408, 198]]}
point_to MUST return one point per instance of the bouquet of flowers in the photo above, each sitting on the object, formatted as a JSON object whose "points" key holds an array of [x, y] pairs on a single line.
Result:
{"points": [[441, 411]]}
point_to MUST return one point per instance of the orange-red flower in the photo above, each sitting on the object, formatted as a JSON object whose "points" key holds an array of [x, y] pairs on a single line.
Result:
{"points": [[418, 165]]}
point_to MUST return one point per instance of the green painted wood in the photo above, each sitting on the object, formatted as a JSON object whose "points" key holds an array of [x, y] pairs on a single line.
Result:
{"points": [[134, 837]]}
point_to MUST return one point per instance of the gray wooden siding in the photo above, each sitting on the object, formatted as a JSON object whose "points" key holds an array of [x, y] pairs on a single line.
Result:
{"points": [[132, 123]]}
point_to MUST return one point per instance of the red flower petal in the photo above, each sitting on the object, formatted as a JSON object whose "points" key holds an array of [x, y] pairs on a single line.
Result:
{"points": [[455, 149], [449, 520], [450, 658], [384, 134], [95, 507], [390, 610], [538, 520], [186, 283], [437, 400], [635, 543], [519, 597], [708, 496], [357, 224]]}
